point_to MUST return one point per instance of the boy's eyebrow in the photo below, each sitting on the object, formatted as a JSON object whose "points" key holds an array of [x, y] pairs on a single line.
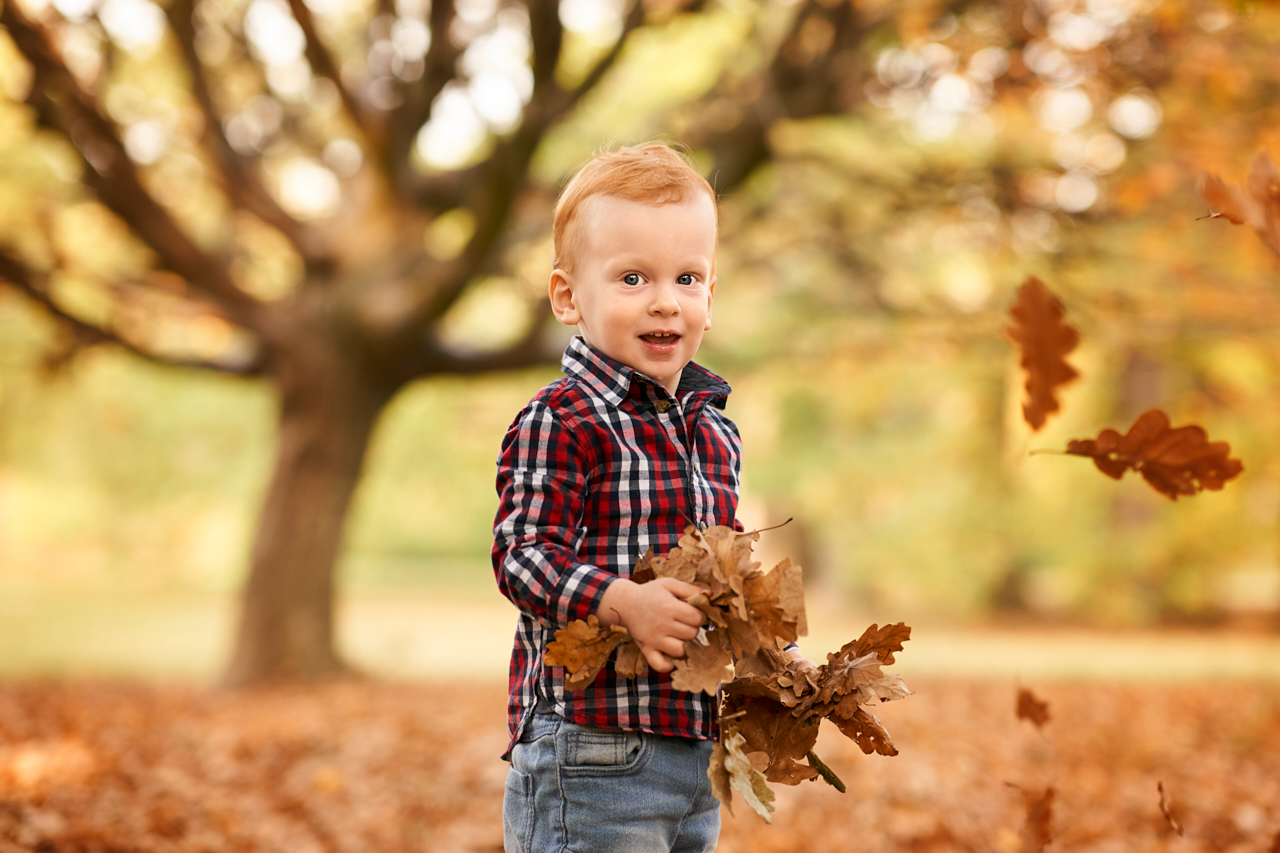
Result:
{"points": [[641, 260]]}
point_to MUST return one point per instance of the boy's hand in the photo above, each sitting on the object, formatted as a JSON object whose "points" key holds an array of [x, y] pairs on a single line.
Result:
{"points": [[655, 614], [797, 662]]}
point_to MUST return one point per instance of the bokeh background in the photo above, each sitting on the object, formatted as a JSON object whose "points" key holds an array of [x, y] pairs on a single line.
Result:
{"points": [[894, 172], [272, 286]]}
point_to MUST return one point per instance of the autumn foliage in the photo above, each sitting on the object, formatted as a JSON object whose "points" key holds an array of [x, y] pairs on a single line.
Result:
{"points": [[374, 767], [1174, 461], [1031, 708], [773, 703], [1256, 205], [1043, 339]]}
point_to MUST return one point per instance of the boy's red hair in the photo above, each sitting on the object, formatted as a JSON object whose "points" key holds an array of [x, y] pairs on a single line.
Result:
{"points": [[653, 172]]}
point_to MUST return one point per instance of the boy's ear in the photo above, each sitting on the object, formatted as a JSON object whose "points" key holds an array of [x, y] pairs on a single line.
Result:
{"points": [[711, 292], [564, 304]]}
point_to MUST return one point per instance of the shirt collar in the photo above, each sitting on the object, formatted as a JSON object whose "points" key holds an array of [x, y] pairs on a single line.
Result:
{"points": [[612, 379]]}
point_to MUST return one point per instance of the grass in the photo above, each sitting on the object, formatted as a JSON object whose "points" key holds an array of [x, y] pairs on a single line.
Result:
{"points": [[421, 634]]}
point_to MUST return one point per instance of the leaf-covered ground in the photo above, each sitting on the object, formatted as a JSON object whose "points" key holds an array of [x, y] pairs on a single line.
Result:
{"points": [[391, 767]]}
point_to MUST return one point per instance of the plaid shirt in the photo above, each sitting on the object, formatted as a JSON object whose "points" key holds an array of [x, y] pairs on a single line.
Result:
{"points": [[596, 469]]}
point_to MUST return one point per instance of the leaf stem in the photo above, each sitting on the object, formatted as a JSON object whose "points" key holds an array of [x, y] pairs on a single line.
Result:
{"points": [[763, 529], [828, 775]]}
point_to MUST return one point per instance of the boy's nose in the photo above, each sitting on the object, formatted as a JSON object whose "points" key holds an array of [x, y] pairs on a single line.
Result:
{"points": [[664, 300]]}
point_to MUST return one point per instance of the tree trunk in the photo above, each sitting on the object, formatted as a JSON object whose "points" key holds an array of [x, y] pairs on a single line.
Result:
{"points": [[328, 408]]}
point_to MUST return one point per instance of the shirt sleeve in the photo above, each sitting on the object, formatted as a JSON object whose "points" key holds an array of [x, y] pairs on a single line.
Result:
{"points": [[542, 485]]}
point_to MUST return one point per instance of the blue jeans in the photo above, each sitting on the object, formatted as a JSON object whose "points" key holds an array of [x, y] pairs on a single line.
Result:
{"points": [[585, 790]]}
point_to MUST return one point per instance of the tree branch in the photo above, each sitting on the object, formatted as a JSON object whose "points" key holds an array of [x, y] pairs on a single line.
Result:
{"points": [[439, 68], [32, 285], [634, 19], [490, 188], [239, 179], [793, 89], [61, 104], [322, 62], [546, 32], [432, 359]]}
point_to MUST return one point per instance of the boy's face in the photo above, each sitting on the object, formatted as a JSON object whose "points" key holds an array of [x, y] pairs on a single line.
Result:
{"points": [[642, 282]]}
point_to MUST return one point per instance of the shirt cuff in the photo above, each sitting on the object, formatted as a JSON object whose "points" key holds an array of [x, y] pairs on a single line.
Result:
{"points": [[581, 591]]}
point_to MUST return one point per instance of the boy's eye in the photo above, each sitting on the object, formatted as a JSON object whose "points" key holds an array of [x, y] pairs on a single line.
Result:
{"points": [[631, 278], [685, 279]]}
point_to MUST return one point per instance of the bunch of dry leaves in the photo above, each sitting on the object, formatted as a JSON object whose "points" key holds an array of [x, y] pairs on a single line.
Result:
{"points": [[773, 703]]}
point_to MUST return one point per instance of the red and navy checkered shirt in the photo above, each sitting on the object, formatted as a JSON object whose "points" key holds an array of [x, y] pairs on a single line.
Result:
{"points": [[599, 467]]}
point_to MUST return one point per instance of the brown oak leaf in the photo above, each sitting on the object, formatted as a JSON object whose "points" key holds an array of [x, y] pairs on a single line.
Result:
{"points": [[683, 564], [730, 768], [859, 682], [785, 740], [1174, 462], [883, 642], [583, 648], [864, 729], [1043, 339], [744, 639], [1039, 811], [731, 549], [775, 603], [1166, 809], [643, 571], [1257, 206], [703, 667], [630, 662], [774, 676], [715, 615], [1031, 708]]}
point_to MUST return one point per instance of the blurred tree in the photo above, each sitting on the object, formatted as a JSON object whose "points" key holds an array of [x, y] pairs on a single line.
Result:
{"points": [[343, 198], [371, 168]]}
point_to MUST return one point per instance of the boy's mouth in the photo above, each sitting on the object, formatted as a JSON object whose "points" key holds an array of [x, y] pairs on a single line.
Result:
{"points": [[660, 338]]}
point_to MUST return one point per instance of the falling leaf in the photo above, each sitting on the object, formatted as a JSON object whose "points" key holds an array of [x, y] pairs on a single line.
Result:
{"points": [[1257, 206], [1039, 810], [703, 667], [730, 768], [583, 648], [1043, 339], [1175, 462], [1166, 809], [1032, 708]]}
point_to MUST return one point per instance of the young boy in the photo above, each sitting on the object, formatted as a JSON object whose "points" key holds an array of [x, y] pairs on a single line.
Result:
{"points": [[614, 459]]}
